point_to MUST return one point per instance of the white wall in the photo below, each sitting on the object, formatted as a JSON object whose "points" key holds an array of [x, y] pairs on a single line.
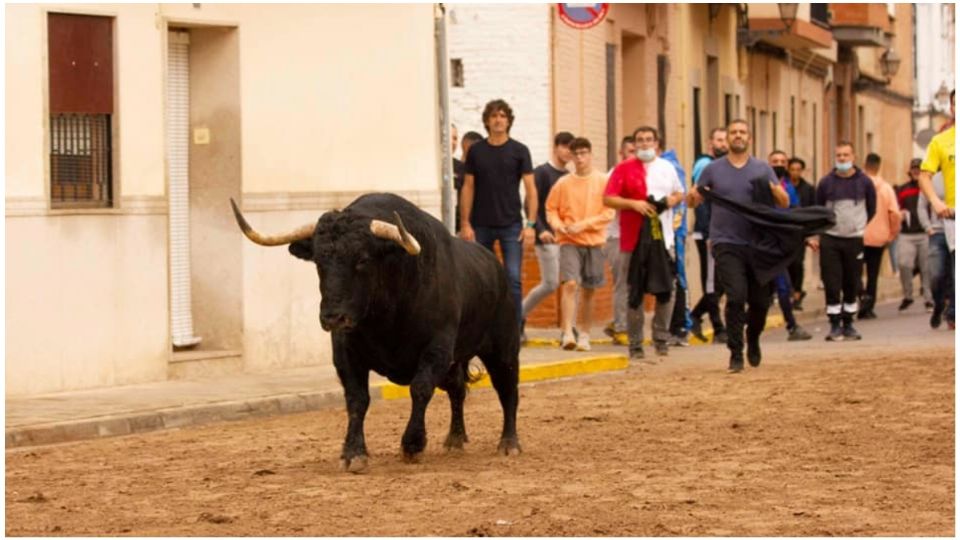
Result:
{"points": [[335, 100], [505, 50], [936, 37]]}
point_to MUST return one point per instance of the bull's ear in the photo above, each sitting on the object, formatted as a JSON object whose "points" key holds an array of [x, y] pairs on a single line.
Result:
{"points": [[302, 249]]}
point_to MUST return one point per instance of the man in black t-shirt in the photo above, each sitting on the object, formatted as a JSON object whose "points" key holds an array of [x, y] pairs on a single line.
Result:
{"points": [[459, 169], [490, 207]]}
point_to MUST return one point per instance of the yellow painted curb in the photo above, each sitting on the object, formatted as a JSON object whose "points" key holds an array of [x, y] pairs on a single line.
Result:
{"points": [[773, 321], [532, 372]]}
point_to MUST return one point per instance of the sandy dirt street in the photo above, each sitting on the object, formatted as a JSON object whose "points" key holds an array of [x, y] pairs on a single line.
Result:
{"points": [[837, 444]]}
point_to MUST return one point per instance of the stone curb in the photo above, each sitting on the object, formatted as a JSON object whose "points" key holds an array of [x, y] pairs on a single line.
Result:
{"points": [[172, 417], [193, 415]]}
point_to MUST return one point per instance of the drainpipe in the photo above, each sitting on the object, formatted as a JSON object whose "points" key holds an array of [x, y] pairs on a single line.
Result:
{"points": [[447, 192]]}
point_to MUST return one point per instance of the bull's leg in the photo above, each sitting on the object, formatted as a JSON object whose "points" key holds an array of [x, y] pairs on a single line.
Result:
{"points": [[505, 375], [503, 366], [434, 364], [456, 389], [356, 392]]}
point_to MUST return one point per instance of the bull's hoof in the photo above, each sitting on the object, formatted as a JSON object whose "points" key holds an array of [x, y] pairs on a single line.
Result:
{"points": [[455, 442], [509, 447], [416, 457], [356, 464]]}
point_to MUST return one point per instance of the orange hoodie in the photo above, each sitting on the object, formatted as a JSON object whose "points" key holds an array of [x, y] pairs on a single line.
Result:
{"points": [[885, 225], [579, 199]]}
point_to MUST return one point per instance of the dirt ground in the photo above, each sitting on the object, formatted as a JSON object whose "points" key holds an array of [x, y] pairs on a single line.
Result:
{"points": [[808, 446]]}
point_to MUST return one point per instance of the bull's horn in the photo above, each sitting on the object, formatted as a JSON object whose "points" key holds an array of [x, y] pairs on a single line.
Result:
{"points": [[398, 233], [301, 233]]}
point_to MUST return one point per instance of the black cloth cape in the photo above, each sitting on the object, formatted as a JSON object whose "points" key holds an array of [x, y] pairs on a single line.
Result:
{"points": [[779, 235], [651, 269]]}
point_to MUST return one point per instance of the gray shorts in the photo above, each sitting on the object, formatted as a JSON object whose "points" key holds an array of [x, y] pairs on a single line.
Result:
{"points": [[582, 264]]}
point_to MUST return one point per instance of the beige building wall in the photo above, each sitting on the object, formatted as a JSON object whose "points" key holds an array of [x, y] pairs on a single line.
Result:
{"points": [[883, 125], [87, 293], [640, 33]]}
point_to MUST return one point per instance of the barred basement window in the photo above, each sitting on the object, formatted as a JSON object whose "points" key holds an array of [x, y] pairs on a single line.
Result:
{"points": [[81, 110]]}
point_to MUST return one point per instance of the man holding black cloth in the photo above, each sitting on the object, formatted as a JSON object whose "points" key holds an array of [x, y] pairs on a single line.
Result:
{"points": [[736, 177]]}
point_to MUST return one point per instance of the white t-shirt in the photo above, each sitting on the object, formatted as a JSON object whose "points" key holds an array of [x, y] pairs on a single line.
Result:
{"points": [[662, 180], [613, 229]]}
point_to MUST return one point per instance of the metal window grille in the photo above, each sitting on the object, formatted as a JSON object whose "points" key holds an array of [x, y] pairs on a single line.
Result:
{"points": [[80, 160]]}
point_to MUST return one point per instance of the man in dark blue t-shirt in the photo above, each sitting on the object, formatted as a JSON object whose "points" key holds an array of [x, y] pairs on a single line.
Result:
{"points": [[490, 198], [731, 238]]}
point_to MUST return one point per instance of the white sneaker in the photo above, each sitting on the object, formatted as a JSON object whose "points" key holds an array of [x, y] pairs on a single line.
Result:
{"points": [[583, 344], [567, 343]]}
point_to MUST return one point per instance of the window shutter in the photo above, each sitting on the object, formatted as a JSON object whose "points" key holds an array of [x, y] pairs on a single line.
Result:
{"points": [[80, 63]]}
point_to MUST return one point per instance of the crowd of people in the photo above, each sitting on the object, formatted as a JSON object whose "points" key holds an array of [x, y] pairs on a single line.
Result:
{"points": [[633, 219]]}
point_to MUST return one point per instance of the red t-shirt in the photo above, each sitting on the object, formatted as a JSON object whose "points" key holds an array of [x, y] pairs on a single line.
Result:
{"points": [[629, 181]]}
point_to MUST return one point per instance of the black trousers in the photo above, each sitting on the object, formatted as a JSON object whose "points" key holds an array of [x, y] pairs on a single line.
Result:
{"points": [[736, 274], [796, 272], [678, 320], [872, 257], [710, 302], [841, 264]]}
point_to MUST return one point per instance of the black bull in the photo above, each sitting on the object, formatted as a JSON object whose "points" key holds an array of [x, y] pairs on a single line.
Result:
{"points": [[404, 298]]}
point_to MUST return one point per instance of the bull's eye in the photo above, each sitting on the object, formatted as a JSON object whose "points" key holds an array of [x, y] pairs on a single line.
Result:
{"points": [[361, 264]]}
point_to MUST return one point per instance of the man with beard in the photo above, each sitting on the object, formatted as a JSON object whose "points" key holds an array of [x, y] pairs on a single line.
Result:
{"points": [[736, 177]]}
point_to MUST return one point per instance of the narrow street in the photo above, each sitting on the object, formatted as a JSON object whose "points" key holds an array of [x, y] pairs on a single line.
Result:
{"points": [[822, 439]]}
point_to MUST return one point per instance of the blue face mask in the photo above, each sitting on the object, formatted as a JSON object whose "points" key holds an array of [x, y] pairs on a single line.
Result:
{"points": [[843, 167], [646, 155]]}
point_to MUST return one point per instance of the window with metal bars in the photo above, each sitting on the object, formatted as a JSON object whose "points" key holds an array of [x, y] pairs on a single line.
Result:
{"points": [[80, 159], [81, 110]]}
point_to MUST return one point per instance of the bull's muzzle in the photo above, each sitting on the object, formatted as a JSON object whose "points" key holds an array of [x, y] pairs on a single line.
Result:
{"points": [[335, 321]]}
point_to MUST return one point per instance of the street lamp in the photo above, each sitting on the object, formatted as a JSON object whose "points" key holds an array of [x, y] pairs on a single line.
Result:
{"points": [[788, 14], [890, 62]]}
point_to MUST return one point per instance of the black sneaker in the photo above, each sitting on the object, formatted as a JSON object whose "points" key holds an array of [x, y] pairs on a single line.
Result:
{"points": [[753, 353], [736, 364], [797, 333], [836, 333], [850, 333], [936, 318], [928, 306], [866, 315], [720, 338], [907, 302], [697, 330], [798, 302], [637, 354], [609, 330], [662, 348]]}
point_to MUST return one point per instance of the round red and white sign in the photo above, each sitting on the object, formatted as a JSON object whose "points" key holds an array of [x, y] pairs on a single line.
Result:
{"points": [[582, 16]]}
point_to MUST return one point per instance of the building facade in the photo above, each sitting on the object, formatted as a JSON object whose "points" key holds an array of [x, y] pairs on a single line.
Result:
{"points": [[934, 60], [176, 109]]}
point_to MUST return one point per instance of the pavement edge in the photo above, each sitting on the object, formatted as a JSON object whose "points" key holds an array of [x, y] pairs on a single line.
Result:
{"points": [[178, 417]]}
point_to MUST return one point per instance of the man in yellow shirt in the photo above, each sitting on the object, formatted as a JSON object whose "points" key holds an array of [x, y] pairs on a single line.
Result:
{"points": [[579, 220], [940, 158]]}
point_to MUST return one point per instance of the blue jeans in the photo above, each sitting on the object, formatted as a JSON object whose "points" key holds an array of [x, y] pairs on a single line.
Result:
{"points": [[512, 250], [783, 286], [942, 263]]}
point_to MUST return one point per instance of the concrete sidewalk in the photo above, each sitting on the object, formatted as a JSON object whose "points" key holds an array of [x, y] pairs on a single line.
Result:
{"points": [[123, 410]]}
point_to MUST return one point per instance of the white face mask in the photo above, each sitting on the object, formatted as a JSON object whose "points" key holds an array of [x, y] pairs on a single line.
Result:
{"points": [[646, 155]]}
